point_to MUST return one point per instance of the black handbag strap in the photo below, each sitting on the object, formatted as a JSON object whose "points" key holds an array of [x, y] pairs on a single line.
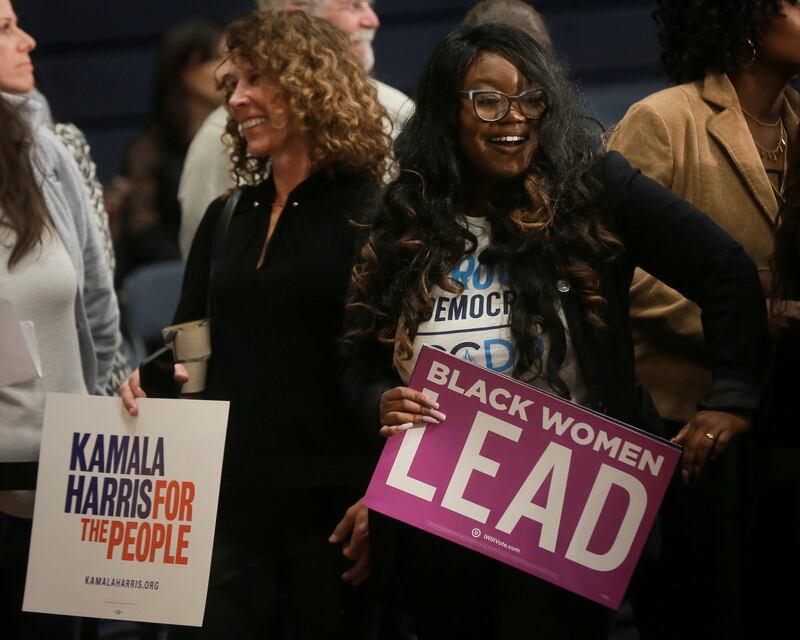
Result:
{"points": [[219, 239]]}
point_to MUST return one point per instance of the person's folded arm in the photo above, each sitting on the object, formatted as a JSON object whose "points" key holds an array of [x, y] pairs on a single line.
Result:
{"points": [[684, 248]]}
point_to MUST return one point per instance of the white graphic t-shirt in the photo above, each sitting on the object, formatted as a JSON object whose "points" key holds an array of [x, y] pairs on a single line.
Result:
{"points": [[475, 325]]}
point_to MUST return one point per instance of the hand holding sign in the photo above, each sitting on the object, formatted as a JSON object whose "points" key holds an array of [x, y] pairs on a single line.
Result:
{"points": [[132, 389], [402, 408]]}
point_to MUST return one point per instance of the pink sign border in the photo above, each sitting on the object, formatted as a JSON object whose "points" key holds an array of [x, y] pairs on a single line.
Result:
{"points": [[430, 517]]}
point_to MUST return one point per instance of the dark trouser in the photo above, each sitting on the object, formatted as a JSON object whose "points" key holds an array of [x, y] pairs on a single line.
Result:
{"points": [[281, 578], [452, 592], [696, 586], [776, 545], [15, 539]]}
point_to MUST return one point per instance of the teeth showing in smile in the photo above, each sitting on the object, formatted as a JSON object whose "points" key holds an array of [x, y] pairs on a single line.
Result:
{"points": [[508, 139], [252, 122]]}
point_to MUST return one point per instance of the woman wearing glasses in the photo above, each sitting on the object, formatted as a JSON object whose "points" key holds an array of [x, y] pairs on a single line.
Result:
{"points": [[507, 206]]}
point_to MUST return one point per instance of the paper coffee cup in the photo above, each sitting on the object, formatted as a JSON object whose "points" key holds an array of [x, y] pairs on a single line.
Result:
{"points": [[191, 346]]}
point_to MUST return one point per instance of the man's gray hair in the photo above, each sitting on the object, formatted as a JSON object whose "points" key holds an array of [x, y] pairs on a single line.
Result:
{"points": [[280, 5]]}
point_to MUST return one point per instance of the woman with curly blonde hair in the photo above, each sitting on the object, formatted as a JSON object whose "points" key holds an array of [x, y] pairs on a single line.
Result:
{"points": [[308, 149], [334, 104]]}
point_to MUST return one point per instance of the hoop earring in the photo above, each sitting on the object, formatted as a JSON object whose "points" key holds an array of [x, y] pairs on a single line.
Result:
{"points": [[753, 49], [277, 123], [278, 117]]}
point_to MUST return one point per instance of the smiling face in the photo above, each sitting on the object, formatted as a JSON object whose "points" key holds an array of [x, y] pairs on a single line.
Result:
{"points": [[503, 149], [16, 68], [261, 110]]}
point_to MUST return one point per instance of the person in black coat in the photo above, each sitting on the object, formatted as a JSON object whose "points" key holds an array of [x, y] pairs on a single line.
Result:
{"points": [[505, 191], [306, 136]]}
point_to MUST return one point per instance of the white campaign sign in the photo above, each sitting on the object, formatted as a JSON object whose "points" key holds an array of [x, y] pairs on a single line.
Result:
{"points": [[125, 509]]}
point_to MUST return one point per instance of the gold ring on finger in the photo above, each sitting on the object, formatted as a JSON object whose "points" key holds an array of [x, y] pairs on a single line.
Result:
{"points": [[710, 436]]}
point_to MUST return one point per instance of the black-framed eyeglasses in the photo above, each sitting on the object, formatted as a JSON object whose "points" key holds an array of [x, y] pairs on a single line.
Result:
{"points": [[491, 106]]}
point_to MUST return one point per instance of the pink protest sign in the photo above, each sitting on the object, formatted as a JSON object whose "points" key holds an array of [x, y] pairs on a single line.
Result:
{"points": [[527, 478]]}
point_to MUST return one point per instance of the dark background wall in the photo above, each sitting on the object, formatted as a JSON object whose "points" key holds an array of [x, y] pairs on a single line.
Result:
{"points": [[94, 57]]}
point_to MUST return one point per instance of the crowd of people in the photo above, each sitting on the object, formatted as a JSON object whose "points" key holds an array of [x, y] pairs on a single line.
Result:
{"points": [[652, 273]]}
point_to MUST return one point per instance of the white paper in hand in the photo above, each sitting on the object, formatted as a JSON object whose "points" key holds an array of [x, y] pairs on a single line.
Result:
{"points": [[29, 331], [18, 351]]}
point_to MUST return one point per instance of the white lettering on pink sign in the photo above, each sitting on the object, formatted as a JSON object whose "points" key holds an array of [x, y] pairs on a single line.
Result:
{"points": [[526, 477]]}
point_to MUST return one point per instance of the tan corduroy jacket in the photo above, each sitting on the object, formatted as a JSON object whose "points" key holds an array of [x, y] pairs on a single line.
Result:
{"points": [[693, 138]]}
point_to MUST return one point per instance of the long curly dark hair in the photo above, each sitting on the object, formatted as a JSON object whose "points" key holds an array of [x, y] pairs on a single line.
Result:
{"points": [[547, 225], [698, 36]]}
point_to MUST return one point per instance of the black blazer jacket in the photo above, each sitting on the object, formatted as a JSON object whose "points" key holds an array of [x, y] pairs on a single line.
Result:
{"points": [[678, 244]]}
